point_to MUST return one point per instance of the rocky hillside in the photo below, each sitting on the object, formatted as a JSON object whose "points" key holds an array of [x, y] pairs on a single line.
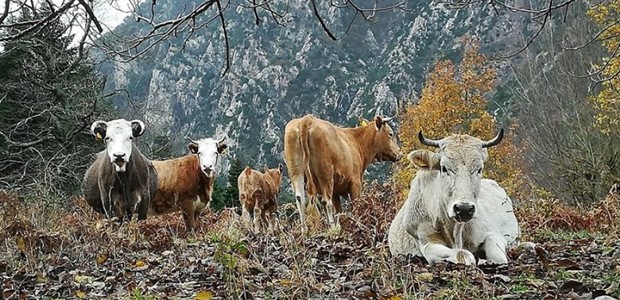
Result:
{"points": [[281, 72]]}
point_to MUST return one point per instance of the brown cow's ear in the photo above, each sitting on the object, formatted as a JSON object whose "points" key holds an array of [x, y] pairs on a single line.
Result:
{"points": [[193, 148], [99, 128], [378, 122], [425, 159], [221, 147]]}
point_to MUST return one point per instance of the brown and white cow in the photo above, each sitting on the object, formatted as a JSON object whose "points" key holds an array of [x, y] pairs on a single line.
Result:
{"points": [[258, 195], [121, 180], [186, 183], [331, 160], [452, 213]]}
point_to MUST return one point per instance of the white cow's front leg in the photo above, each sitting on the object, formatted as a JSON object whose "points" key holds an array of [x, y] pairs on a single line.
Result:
{"points": [[434, 252], [495, 249]]}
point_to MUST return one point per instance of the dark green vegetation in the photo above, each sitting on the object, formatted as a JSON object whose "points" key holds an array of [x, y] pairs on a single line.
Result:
{"points": [[49, 96]]}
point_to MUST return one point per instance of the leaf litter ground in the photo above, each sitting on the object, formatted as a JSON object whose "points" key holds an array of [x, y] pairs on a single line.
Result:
{"points": [[53, 254]]}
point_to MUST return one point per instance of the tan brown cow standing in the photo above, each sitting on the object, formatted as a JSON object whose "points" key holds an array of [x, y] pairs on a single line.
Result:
{"points": [[258, 194], [331, 160], [186, 183]]}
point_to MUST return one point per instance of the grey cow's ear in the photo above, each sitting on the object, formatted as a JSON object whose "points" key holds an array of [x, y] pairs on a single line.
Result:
{"points": [[221, 147], [281, 168], [425, 159], [137, 128], [193, 148], [99, 128]]}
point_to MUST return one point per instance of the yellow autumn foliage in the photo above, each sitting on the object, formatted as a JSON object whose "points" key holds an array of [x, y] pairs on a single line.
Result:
{"points": [[452, 101], [607, 103]]}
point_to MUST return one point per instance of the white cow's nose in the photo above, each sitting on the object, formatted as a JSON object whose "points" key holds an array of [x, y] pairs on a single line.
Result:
{"points": [[208, 168], [119, 156], [464, 211]]}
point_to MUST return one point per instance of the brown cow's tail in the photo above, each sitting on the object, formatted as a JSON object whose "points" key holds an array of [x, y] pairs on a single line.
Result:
{"points": [[304, 137]]}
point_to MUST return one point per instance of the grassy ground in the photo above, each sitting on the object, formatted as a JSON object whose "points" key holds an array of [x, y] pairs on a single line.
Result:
{"points": [[52, 253]]}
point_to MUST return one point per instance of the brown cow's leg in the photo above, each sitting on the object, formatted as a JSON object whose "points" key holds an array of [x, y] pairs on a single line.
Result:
{"points": [[337, 203], [300, 199], [187, 208]]}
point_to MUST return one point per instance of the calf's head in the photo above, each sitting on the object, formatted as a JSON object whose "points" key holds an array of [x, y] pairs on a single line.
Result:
{"points": [[118, 135], [459, 161], [275, 174], [384, 140], [208, 151]]}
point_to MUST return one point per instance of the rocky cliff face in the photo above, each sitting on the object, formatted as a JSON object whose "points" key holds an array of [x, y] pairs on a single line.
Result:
{"points": [[282, 72]]}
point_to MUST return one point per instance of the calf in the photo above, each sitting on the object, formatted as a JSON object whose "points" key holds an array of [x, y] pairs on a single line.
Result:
{"points": [[258, 194], [186, 183], [121, 180]]}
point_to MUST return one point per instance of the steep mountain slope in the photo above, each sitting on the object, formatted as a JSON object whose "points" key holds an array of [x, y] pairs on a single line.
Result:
{"points": [[282, 72]]}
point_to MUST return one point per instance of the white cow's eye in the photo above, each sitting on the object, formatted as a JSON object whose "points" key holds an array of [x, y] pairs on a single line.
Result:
{"points": [[479, 170], [444, 169]]}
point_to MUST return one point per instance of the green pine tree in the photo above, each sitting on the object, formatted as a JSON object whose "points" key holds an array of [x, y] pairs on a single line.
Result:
{"points": [[232, 190], [48, 97]]}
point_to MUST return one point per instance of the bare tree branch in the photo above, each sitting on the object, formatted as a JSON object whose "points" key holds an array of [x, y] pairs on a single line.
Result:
{"points": [[221, 13], [323, 25]]}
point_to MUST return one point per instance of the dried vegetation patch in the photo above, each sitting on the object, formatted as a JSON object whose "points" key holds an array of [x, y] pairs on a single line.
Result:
{"points": [[75, 254]]}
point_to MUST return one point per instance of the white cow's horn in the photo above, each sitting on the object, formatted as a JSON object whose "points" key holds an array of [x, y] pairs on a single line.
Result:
{"points": [[427, 142], [498, 138]]}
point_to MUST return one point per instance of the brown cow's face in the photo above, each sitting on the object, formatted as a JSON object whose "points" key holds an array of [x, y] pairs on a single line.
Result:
{"points": [[208, 151], [385, 141]]}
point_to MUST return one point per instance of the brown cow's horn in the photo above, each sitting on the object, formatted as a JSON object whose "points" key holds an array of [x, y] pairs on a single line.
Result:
{"points": [[427, 142], [498, 138], [385, 120]]}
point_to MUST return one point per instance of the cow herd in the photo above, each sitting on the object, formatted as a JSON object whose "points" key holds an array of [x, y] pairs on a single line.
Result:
{"points": [[451, 212]]}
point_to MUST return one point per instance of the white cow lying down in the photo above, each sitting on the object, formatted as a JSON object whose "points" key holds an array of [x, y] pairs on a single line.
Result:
{"points": [[451, 213]]}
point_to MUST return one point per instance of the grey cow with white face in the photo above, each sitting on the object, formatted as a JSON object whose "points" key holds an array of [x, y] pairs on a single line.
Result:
{"points": [[121, 180], [452, 213]]}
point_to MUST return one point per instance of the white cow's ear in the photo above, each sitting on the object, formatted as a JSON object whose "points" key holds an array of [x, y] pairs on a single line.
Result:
{"points": [[98, 128], [137, 128], [425, 159]]}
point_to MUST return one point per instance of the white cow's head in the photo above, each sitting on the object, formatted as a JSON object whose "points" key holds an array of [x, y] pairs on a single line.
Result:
{"points": [[459, 161], [208, 151], [118, 135]]}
